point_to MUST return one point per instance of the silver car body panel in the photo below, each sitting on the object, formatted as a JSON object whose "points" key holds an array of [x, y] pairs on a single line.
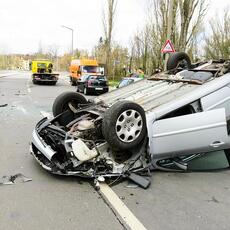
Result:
{"points": [[159, 98], [191, 96], [45, 149], [218, 99], [189, 134]]}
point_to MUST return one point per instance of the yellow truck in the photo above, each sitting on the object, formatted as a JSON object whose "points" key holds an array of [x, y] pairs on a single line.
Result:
{"points": [[42, 71], [79, 67]]}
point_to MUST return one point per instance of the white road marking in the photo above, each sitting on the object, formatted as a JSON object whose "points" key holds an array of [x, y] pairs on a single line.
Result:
{"points": [[120, 208], [46, 114]]}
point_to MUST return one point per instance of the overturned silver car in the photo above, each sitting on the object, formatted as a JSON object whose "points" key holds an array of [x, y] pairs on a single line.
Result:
{"points": [[163, 122]]}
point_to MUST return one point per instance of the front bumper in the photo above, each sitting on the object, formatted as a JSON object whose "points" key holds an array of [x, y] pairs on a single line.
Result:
{"points": [[38, 160], [41, 146], [45, 80], [40, 150], [45, 77], [98, 89], [43, 154]]}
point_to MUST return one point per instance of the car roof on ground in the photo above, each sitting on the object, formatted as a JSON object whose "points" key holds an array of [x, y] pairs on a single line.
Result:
{"points": [[152, 94]]}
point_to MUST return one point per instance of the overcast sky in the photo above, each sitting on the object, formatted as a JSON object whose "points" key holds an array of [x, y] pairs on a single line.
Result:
{"points": [[24, 24]]}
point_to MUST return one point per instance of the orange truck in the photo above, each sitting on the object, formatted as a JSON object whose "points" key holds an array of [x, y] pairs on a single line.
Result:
{"points": [[79, 67]]}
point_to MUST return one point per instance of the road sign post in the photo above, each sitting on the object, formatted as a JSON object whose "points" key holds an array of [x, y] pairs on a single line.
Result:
{"points": [[167, 48]]}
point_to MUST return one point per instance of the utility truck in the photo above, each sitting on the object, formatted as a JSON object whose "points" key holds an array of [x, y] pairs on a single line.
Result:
{"points": [[80, 67], [42, 71]]}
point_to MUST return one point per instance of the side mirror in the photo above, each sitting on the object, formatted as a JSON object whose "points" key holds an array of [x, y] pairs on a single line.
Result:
{"points": [[79, 72]]}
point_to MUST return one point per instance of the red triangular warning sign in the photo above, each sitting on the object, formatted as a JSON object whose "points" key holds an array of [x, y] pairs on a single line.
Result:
{"points": [[168, 47]]}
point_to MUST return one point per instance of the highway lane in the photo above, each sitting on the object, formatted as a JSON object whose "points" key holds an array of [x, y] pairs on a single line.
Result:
{"points": [[48, 201]]}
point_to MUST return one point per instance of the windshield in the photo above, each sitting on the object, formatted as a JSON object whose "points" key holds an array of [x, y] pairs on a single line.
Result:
{"points": [[212, 161], [90, 69], [100, 78], [125, 82], [41, 65]]}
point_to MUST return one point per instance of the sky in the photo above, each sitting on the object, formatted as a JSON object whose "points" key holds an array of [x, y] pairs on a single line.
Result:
{"points": [[26, 25]]}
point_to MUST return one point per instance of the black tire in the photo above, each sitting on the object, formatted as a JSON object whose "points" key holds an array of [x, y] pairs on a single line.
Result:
{"points": [[61, 102], [179, 58], [53, 83], [110, 126]]}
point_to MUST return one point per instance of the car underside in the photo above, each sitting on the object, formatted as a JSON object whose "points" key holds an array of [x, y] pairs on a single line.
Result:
{"points": [[112, 136], [73, 144]]}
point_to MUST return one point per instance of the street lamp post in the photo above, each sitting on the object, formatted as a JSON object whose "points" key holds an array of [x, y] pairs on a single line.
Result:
{"points": [[72, 37]]}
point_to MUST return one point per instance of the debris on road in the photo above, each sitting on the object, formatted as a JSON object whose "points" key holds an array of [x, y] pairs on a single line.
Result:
{"points": [[3, 105], [131, 184], [19, 93], [14, 179]]}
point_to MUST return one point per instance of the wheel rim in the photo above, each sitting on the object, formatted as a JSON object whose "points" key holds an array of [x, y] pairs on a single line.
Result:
{"points": [[129, 125]]}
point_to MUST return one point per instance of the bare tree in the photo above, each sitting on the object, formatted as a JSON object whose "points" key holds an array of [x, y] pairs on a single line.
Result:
{"points": [[187, 17], [139, 49], [108, 24], [218, 42], [191, 16]]}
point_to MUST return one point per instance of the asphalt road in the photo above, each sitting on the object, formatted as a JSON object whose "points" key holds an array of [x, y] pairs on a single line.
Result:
{"points": [[174, 200], [47, 202]]}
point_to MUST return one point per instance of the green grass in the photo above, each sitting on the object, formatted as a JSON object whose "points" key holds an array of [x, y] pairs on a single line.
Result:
{"points": [[113, 83]]}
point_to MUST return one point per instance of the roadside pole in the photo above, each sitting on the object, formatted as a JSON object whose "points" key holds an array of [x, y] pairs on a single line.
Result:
{"points": [[72, 30], [169, 28]]}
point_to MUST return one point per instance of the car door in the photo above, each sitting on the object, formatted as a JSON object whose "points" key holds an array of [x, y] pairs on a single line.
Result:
{"points": [[189, 134]]}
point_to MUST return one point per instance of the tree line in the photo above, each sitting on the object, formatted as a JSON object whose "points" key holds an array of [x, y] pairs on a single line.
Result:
{"points": [[189, 32]]}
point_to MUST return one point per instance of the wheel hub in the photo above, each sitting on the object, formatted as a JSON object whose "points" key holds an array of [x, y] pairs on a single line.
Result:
{"points": [[129, 125]]}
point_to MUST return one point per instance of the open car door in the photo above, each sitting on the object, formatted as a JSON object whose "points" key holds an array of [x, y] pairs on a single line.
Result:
{"points": [[189, 134]]}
